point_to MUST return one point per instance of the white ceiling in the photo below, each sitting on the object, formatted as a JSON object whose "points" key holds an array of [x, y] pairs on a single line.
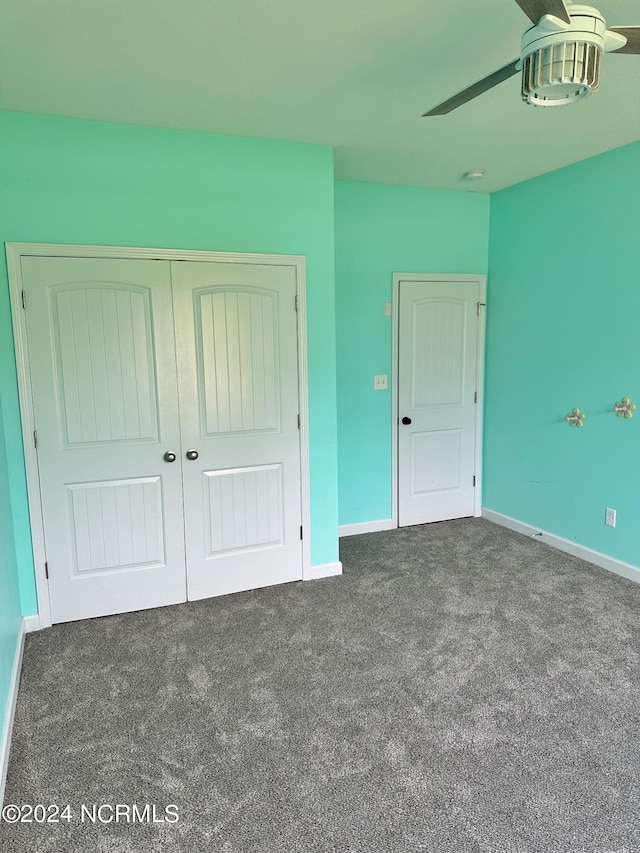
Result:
{"points": [[354, 74]]}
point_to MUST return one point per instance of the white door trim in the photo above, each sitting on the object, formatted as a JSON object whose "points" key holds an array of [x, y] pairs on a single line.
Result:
{"points": [[15, 251], [429, 277]]}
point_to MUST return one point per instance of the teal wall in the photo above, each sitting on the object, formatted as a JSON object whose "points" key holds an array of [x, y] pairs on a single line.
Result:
{"points": [[380, 230], [70, 181], [564, 331], [10, 611]]}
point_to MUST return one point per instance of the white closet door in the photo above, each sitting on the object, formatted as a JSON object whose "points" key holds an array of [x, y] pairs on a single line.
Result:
{"points": [[437, 356], [106, 410], [236, 336]]}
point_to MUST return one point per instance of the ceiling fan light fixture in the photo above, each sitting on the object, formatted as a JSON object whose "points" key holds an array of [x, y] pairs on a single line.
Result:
{"points": [[559, 56], [561, 74], [562, 66]]}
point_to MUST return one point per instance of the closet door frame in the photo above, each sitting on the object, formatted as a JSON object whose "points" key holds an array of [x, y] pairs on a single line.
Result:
{"points": [[15, 252]]}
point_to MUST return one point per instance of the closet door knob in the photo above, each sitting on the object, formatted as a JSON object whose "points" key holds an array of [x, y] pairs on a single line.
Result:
{"points": [[192, 454], [406, 421], [169, 456]]}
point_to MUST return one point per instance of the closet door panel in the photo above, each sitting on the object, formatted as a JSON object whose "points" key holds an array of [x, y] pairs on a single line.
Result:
{"points": [[236, 334], [102, 356]]}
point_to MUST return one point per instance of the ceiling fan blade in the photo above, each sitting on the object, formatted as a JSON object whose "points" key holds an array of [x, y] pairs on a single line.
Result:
{"points": [[473, 91], [632, 35], [535, 9]]}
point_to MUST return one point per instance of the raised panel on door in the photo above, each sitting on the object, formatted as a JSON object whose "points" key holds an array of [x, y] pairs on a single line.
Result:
{"points": [[437, 356], [237, 352], [236, 333], [438, 351], [101, 349]]}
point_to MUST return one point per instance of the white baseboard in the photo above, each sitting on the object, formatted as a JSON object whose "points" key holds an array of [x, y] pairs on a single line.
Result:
{"points": [[605, 562], [366, 527], [326, 570], [11, 709], [31, 623]]}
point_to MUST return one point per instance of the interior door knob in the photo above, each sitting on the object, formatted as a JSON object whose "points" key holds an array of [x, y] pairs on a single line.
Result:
{"points": [[192, 454], [406, 421], [169, 456]]}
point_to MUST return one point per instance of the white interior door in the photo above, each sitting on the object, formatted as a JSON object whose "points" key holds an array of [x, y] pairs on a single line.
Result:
{"points": [[437, 375], [106, 410], [236, 333], [165, 397]]}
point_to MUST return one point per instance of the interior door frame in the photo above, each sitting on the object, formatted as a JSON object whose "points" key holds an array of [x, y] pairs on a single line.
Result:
{"points": [[398, 278], [15, 252]]}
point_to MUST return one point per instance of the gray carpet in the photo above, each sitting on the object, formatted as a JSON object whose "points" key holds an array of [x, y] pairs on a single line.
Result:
{"points": [[461, 688]]}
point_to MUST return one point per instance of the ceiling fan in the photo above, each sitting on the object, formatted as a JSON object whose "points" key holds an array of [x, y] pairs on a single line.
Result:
{"points": [[559, 56]]}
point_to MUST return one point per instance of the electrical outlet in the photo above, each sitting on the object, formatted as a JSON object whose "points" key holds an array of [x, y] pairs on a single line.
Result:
{"points": [[380, 382], [610, 517]]}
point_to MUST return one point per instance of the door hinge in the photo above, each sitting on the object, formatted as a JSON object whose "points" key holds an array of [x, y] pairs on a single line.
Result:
{"points": [[301, 531], [35, 438], [46, 570], [297, 303], [24, 299], [475, 396], [299, 422], [474, 481], [479, 305]]}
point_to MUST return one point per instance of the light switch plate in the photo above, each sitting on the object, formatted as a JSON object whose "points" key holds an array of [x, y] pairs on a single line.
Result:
{"points": [[388, 309], [380, 382]]}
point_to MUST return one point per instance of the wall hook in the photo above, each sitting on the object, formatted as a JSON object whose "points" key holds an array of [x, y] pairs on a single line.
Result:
{"points": [[575, 418], [624, 408]]}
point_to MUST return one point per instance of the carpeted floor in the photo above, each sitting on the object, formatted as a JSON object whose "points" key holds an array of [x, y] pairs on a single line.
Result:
{"points": [[461, 688]]}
